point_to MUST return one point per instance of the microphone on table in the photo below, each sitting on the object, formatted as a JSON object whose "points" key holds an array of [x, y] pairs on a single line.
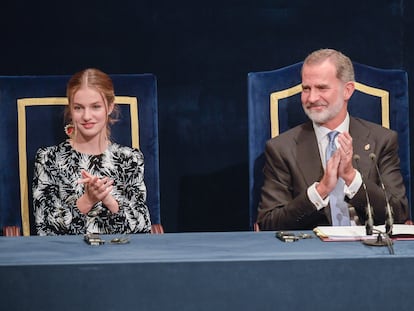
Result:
{"points": [[369, 224], [388, 209]]}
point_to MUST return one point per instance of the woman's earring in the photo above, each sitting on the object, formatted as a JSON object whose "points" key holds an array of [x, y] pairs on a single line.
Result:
{"points": [[69, 129]]}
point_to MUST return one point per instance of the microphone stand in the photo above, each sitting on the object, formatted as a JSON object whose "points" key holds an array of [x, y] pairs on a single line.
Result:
{"points": [[388, 209], [369, 224], [383, 239]]}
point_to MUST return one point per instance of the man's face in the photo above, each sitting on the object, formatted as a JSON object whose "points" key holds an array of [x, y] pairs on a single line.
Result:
{"points": [[323, 94]]}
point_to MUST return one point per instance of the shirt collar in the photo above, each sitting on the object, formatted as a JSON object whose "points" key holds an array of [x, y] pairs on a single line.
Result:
{"points": [[322, 131]]}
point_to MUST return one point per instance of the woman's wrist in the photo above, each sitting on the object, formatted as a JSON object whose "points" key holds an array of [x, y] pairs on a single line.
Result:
{"points": [[84, 204], [110, 202]]}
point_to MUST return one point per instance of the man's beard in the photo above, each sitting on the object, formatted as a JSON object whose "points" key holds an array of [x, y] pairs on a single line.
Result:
{"points": [[321, 117]]}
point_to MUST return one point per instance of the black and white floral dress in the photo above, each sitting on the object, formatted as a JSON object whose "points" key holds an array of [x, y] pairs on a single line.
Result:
{"points": [[56, 189]]}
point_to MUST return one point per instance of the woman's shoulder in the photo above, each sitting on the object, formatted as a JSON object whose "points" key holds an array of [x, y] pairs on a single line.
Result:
{"points": [[125, 151], [62, 147], [51, 153]]}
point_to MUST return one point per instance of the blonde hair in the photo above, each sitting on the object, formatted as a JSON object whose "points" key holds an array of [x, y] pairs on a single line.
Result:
{"points": [[344, 67]]}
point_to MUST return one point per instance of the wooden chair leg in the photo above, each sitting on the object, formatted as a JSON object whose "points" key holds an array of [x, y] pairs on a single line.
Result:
{"points": [[11, 231], [157, 229]]}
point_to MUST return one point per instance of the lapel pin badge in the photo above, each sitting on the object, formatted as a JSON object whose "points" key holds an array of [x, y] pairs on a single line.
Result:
{"points": [[367, 146]]}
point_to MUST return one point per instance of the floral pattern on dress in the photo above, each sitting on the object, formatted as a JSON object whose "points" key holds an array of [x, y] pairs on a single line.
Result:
{"points": [[56, 189]]}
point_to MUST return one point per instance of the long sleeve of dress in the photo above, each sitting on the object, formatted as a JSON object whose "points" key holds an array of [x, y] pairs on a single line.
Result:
{"points": [[56, 190]]}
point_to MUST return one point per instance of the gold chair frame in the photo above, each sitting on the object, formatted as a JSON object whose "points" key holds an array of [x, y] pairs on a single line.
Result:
{"points": [[22, 131], [276, 96]]}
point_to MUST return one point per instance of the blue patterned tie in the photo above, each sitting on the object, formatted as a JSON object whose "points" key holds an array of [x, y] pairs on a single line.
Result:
{"points": [[339, 208], [331, 148]]}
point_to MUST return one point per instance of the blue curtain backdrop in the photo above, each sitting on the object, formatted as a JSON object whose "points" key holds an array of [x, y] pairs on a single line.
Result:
{"points": [[201, 53]]}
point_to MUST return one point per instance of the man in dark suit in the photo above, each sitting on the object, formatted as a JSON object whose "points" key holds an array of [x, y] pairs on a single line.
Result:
{"points": [[301, 179]]}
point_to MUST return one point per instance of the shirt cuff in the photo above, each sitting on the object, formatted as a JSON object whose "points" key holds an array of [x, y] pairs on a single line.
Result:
{"points": [[353, 188], [315, 198]]}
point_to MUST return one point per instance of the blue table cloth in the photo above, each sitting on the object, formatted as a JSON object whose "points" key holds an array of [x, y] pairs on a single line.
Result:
{"points": [[203, 271]]}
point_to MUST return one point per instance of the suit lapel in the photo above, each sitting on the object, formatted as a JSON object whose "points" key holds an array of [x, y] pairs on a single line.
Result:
{"points": [[308, 158], [363, 145], [308, 151], [309, 161]]}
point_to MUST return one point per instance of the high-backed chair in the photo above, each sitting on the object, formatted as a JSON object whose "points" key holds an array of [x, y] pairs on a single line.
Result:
{"points": [[274, 106], [32, 116]]}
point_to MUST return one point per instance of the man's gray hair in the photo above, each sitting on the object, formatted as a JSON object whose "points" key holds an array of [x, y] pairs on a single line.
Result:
{"points": [[344, 67]]}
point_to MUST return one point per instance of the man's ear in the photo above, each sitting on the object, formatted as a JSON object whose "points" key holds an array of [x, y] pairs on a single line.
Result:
{"points": [[349, 90]]}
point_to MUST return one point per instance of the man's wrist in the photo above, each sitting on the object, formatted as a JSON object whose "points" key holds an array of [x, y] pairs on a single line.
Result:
{"points": [[322, 190], [315, 198], [349, 178]]}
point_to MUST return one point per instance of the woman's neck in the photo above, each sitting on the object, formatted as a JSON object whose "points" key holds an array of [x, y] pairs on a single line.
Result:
{"points": [[94, 147]]}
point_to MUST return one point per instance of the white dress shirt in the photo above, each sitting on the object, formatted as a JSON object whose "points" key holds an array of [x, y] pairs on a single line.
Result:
{"points": [[321, 133]]}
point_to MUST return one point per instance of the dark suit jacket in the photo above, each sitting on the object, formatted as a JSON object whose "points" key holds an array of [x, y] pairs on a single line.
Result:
{"points": [[293, 164]]}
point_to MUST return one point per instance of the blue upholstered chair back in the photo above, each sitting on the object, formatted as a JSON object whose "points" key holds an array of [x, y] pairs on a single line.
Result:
{"points": [[274, 106], [32, 116]]}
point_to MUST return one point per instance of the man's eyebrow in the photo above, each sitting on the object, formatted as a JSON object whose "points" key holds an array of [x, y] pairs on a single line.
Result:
{"points": [[319, 86], [322, 86]]}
